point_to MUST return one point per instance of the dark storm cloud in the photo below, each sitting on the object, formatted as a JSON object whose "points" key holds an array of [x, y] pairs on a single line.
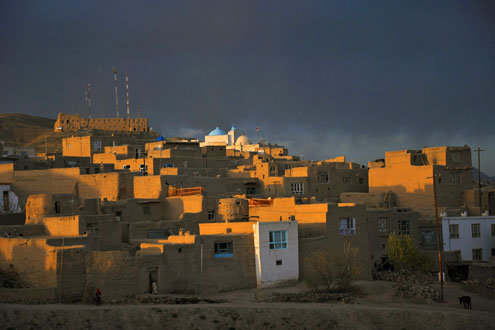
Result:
{"points": [[323, 77]]}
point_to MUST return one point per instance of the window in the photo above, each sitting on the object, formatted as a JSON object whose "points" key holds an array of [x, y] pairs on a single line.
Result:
{"points": [[288, 167], [477, 254], [279, 262], [143, 168], [493, 229], [456, 178], [382, 224], [347, 226], [346, 180], [404, 227], [250, 191], [454, 231], [157, 234], [93, 228], [57, 207], [322, 177], [224, 250], [278, 239], [493, 252], [475, 230], [69, 145], [118, 215], [297, 188], [455, 157], [6, 201], [211, 214], [361, 180], [97, 145], [146, 210]]}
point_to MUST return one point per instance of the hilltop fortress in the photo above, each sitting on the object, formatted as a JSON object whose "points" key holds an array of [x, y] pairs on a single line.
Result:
{"points": [[75, 123]]}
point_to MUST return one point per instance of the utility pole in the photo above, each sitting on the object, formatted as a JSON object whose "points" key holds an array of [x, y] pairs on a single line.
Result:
{"points": [[478, 150], [438, 237], [116, 96], [62, 270], [201, 284]]}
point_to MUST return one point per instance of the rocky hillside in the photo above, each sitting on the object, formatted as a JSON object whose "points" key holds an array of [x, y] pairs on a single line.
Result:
{"points": [[22, 130]]}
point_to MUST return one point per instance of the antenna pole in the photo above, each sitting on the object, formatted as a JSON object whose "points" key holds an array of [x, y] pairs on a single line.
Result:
{"points": [[100, 91], [88, 98], [127, 94], [116, 95]]}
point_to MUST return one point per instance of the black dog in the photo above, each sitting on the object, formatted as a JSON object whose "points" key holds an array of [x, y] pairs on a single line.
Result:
{"points": [[465, 301]]}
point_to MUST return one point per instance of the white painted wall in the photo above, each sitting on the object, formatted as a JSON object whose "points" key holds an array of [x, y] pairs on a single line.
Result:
{"points": [[216, 140], [268, 273], [13, 200], [466, 243]]}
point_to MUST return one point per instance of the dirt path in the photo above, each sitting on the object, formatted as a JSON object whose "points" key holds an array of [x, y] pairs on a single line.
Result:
{"points": [[376, 308], [242, 316]]}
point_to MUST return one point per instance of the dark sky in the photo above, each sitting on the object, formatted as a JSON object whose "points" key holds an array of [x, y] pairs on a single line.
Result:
{"points": [[325, 78]]}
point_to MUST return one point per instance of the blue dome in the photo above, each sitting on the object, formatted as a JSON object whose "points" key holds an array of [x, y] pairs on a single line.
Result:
{"points": [[217, 131], [233, 128]]}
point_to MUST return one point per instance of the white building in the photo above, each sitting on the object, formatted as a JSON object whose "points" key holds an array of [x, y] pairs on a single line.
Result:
{"points": [[9, 202], [276, 252], [473, 236], [219, 137], [232, 140], [18, 152]]}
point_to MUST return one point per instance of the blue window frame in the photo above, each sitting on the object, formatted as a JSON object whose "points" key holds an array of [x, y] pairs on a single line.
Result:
{"points": [[278, 239], [224, 250], [347, 226]]}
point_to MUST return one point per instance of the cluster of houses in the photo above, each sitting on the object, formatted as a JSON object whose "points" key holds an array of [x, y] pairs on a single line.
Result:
{"points": [[129, 212]]}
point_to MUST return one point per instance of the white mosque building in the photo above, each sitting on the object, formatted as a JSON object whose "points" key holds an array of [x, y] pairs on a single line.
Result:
{"points": [[232, 140]]}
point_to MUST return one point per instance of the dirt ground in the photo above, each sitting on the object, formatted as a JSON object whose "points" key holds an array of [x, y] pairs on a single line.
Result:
{"points": [[374, 307]]}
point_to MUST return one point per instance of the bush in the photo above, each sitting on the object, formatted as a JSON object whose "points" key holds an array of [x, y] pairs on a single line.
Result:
{"points": [[404, 253], [332, 272]]}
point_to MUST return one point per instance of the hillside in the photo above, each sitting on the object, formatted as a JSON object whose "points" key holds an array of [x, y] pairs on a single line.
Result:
{"points": [[37, 132], [484, 177], [22, 130]]}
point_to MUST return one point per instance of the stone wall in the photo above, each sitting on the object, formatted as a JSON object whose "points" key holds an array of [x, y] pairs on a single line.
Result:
{"points": [[74, 123], [50, 181]]}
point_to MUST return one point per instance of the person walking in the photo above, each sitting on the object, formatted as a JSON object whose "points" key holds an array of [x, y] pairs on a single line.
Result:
{"points": [[98, 297]]}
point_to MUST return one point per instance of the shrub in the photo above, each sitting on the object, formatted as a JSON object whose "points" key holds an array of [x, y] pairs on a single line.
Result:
{"points": [[404, 253], [332, 272]]}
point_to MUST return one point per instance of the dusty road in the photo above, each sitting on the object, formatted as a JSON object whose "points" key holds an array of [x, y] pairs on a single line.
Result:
{"points": [[243, 316], [376, 308]]}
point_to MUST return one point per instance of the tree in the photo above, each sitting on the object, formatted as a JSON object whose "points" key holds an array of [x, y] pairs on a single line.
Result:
{"points": [[404, 253]]}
